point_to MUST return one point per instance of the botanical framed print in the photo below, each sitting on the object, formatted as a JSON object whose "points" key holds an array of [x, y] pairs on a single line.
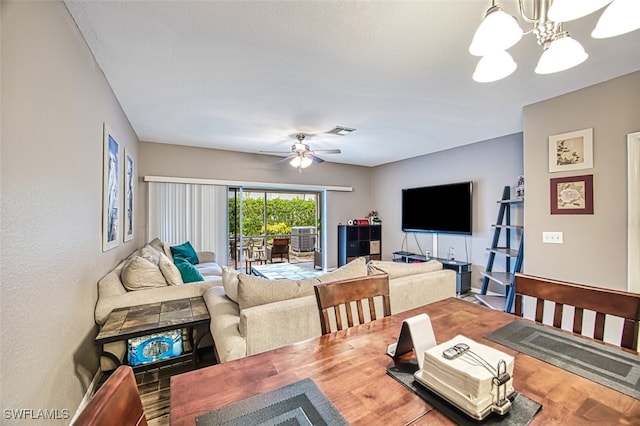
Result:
{"points": [[571, 151], [110, 191], [572, 195], [129, 188]]}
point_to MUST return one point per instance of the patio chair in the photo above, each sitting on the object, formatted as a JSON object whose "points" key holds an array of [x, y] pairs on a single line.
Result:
{"points": [[278, 249]]}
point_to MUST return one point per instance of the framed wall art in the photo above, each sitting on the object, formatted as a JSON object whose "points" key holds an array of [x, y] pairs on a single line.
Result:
{"points": [[571, 151], [572, 195], [110, 191], [129, 197]]}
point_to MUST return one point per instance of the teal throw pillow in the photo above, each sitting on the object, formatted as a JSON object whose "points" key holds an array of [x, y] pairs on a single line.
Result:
{"points": [[188, 272], [185, 251]]}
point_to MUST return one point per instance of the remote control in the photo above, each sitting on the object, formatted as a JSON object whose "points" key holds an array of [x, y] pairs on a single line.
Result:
{"points": [[455, 351]]}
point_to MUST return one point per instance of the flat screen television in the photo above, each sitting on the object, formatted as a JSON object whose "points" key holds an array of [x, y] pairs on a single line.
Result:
{"points": [[438, 209]]}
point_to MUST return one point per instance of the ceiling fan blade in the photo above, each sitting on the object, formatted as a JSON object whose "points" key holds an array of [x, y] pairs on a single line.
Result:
{"points": [[289, 158], [276, 152], [328, 151], [315, 158]]}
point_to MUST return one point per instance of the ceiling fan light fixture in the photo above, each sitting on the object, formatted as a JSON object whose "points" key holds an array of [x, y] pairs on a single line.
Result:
{"points": [[498, 31], [620, 17], [494, 66], [569, 10], [561, 54], [300, 162]]}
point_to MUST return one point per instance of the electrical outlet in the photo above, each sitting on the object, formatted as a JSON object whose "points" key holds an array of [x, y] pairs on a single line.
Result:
{"points": [[552, 237]]}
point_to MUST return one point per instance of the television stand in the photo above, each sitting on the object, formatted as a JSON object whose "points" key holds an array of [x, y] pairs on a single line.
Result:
{"points": [[462, 269]]}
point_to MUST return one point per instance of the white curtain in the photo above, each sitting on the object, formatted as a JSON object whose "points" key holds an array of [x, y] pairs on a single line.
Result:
{"points": [[180, 212]]}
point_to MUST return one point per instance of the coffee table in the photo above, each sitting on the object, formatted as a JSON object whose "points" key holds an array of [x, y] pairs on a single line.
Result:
{"points": [[141, 320], [279, 271]]}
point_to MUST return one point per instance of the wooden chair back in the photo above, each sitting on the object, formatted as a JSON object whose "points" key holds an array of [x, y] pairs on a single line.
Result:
{"points": [[602, 301], [342, 293], [117, 402]]}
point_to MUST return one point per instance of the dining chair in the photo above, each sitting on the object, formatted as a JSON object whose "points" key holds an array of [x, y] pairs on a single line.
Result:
{"points": [[117, 402], [602, 301], [333, 297]]}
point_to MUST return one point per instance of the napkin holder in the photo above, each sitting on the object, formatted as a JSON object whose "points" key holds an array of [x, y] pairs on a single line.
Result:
{"points": [[416, 334]]}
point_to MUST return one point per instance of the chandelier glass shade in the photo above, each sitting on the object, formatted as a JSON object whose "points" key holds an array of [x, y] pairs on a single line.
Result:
{"points": [[563, 53], [494, 66], [569, 10], [499, 31], [620, 17]]}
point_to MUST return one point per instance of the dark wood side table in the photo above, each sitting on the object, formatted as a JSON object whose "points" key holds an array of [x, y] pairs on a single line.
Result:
{"points": [[135, 321]]}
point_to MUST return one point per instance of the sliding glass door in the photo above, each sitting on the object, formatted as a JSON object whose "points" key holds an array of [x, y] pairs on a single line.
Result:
{"points": [[258, 216]]}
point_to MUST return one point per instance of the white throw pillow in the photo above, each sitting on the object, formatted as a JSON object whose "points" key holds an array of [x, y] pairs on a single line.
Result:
{"points": [[150, 253], [209, 268], [170, 270], [140, 274], [230, 283], [157, 244]]}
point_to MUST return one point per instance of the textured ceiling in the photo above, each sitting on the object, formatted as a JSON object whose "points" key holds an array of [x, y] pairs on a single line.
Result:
{"points": [[246, 76]]}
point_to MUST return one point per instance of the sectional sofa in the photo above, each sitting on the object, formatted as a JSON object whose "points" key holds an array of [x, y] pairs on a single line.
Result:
{"points": [[250, 315]]}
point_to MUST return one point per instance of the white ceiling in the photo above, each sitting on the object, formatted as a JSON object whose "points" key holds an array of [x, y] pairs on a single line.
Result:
{"points": [[247, 75]]}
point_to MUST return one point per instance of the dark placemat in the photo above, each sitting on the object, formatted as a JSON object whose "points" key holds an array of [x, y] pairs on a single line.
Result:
{"points": [[297, 404], [521, 413], [595, 361]]}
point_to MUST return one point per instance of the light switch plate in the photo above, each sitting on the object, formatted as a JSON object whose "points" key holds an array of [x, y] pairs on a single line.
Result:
{"points": [[552, 237]]}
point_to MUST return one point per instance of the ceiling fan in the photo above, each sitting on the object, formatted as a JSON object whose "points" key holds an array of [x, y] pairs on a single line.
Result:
{"points": [[301, 156]]}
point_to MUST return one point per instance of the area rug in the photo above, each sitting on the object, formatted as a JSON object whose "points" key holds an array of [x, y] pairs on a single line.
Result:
{"points": [[521, 413], [297, 404], [595, 361]]}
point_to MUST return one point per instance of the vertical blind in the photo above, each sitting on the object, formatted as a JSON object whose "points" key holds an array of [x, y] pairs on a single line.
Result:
{"points": [[180, 212]]}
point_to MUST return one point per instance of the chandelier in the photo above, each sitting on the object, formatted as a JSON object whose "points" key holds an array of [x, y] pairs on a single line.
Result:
{"points": [[499, 31]]}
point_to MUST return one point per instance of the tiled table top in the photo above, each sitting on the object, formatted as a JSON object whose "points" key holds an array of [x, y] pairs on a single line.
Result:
{"points": [[153, 317], [278, 271]]}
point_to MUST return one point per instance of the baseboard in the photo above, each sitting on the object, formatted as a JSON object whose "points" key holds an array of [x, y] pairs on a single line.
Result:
{"points": [[87, 396]]}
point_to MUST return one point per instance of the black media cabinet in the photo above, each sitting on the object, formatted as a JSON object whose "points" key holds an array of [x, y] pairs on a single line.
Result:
{"points": [[463, 269]]}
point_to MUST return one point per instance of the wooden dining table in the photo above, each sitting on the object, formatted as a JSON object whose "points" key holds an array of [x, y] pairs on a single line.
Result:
{"points": [[350, 368]]}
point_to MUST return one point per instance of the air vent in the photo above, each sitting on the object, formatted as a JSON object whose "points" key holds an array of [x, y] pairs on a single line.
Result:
{"points": [[340, 130]]}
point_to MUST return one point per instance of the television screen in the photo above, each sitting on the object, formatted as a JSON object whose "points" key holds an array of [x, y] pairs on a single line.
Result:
{"points": [[440, 208]]}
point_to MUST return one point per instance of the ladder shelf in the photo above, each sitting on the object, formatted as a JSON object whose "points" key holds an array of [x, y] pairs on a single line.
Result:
{"points": [[504, 280]]}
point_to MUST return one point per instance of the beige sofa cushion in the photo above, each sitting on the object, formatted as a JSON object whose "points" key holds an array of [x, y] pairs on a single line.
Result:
{"points": [[230, 283], [169, 270], [354, 269], [401, 269], [139, 274], [255, 291]]}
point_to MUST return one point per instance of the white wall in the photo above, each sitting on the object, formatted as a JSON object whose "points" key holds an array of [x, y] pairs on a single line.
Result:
{"points": [[54, 102], [491, 165], [595, 246]]}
